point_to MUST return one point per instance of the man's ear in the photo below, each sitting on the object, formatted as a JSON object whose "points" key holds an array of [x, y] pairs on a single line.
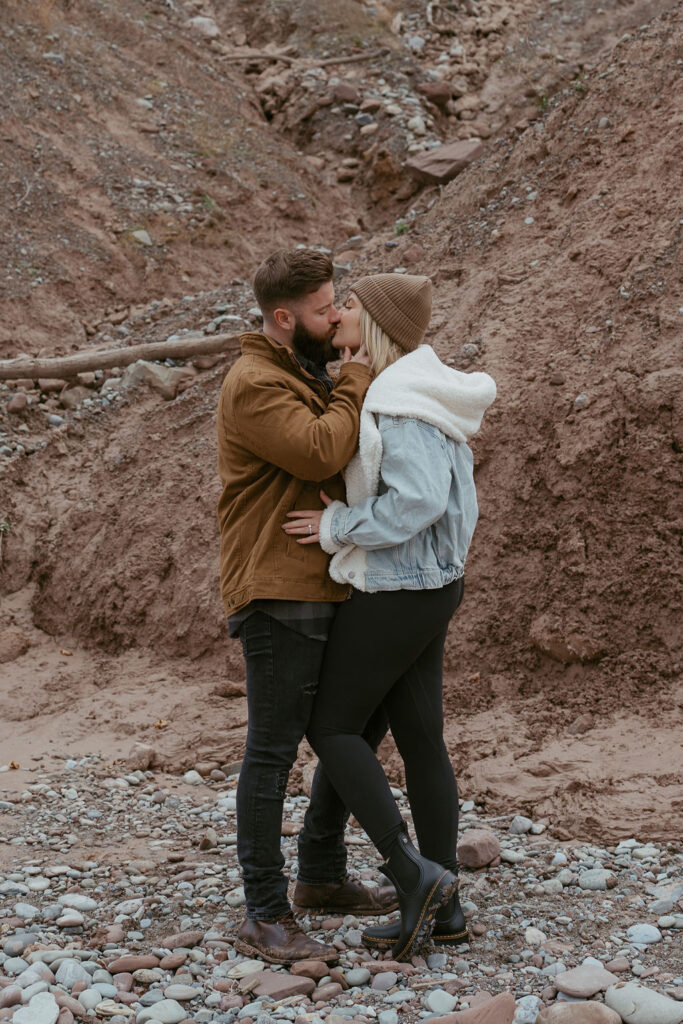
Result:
{"points": [[284, 319]]}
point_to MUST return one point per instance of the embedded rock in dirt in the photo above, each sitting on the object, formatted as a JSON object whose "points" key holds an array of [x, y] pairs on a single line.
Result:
{"points": [[164, 379], [561, 642], [439, 166], [13, 643]]}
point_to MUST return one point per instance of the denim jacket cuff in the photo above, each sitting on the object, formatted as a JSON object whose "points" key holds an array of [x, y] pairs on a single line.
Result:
{"points": [[327, 543]]}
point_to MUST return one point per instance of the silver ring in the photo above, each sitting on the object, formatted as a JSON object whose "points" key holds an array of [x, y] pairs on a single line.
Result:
{"points": [[310, 529]]}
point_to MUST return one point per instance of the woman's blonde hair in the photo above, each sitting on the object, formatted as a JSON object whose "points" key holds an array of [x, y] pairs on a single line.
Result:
{"points": [[381, 349]]}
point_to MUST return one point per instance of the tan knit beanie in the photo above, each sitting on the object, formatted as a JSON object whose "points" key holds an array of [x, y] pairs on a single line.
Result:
{"points": [[401, 304]]}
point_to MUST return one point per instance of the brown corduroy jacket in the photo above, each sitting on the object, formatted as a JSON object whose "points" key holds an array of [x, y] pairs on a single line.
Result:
{"points": [[281, 438]]}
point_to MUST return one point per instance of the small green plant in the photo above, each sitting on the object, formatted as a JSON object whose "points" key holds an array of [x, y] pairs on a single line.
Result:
{"points": [[542, 102], [400, 227], [579, 84], [208, 203]]}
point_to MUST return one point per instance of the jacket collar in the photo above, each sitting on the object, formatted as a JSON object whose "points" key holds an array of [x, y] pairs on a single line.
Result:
{"points": [[257, 343]]}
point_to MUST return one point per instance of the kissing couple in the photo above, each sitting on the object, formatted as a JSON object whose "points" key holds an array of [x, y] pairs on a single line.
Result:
{"points": [[347, 511]]}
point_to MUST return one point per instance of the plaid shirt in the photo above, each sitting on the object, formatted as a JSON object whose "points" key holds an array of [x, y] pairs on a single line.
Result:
{"points": [[312, 618]]}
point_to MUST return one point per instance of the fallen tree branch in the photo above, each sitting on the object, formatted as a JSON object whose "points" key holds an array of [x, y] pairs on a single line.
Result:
{"points": [[66, 367], [260, 56], [352, 60], [307, 60]]}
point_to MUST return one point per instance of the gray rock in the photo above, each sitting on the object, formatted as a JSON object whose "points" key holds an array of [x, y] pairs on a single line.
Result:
{"points": [[439, 1001], [643, 934], [520, 825], [597, 879], [14, 965], [42, 1009], [26, 910], [384, 981], [168, 1011], [181, 992], [90, 998], [10, 888], [527, 1010], [69, 972], [636, 1004], [78, 902], [15, 945], [357, 977]]}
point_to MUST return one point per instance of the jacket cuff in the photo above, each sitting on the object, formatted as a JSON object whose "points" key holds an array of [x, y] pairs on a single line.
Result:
{"points": [[325, 529]]}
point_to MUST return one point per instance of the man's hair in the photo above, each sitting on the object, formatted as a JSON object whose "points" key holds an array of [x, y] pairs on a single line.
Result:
{"points": [[288, 275]]}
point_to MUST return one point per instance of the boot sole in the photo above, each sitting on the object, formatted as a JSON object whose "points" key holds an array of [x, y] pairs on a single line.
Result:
{"points": [[272, 958], [427, 920], [356, 911], [454, 939]]}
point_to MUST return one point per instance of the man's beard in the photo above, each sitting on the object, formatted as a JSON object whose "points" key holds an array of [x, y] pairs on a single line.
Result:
{"points": [[318, 350]]}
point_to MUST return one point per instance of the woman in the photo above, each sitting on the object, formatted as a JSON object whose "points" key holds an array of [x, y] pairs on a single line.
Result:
{"points": [[401, 543]]}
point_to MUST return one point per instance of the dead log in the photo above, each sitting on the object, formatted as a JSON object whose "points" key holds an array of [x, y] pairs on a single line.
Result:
{"points": [[67, 367]]}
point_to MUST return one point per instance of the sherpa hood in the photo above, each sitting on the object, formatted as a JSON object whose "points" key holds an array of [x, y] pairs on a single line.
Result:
{"points": [[419, 385]]}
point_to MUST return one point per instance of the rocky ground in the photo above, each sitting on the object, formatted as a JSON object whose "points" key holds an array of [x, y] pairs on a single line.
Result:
{"points": [[91, 936]]}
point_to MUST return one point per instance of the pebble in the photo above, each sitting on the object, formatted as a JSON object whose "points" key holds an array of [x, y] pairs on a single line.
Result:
{"points": [[643, 934], [384, 981], [440, 1001], [357, 976], [181, 992], [78, 902], [70, 972], [520, 825], [597, 879], [168, 1011], [527, 1009]]}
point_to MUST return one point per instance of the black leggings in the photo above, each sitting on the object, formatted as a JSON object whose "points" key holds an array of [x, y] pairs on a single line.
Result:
{"points": [[388, 648]]}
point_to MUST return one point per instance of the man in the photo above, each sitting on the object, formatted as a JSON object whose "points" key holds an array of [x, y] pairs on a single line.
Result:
{"points": [[284, 432]]}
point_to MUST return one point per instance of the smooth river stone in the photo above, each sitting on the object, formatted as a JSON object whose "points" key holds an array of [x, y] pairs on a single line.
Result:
{"points": [[578, 1013], [130, 963], [41, 1010], [181, 992], [583, 982], [636, 1004], [168, 1011]]}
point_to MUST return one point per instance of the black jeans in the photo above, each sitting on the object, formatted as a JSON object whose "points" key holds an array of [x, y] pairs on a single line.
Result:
{"points": [[283, 669], [387, 649]]}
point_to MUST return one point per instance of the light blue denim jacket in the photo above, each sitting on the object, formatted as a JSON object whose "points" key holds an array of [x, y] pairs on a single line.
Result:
{"points": [[416, 532], [410, 486]]}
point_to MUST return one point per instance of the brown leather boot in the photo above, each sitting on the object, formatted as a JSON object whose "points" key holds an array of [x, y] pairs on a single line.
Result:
{"points": [[281, 942], [346, 897]]}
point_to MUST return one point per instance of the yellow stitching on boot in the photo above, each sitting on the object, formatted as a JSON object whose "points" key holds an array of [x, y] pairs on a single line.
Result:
{"points": [[424, 910]]}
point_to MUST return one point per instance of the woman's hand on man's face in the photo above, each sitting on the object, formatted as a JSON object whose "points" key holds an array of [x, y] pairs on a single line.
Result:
{"points": [[304, 524], [359, 356]]}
